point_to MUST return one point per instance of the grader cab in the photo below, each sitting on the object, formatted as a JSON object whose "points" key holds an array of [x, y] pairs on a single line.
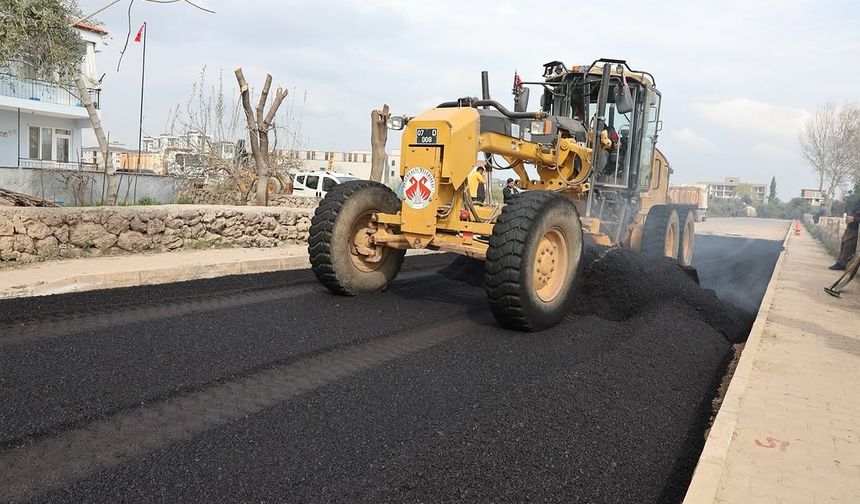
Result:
{"points": [[588, 169]]}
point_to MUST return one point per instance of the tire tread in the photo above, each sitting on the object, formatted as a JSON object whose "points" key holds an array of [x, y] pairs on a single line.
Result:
{"points": [[322, 229]]}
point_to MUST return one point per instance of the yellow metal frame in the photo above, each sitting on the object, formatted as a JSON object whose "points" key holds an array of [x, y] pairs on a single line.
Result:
{"points": [[563, 166]]}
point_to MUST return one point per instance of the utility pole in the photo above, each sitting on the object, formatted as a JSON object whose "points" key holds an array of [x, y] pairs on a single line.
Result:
{"points": [[140, 122]]}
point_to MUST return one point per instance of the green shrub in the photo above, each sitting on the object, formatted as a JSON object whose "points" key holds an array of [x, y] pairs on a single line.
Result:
{"points": [[146, 200]]}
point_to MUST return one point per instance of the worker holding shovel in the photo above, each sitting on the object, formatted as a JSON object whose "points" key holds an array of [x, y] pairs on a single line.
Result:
{"points": [[847, 250], [849, 239]]}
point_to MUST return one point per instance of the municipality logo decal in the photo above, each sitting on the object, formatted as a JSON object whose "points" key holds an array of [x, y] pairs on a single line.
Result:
{"points": [[420, 185]]}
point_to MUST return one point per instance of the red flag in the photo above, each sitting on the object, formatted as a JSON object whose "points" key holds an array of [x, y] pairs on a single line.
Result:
{"points": [[518, 83], [139, 33]]}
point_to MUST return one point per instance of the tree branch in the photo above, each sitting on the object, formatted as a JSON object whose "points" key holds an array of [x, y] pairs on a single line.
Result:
{"points": [[280, 94], [249, 115], [246, 105], [261, 105]]}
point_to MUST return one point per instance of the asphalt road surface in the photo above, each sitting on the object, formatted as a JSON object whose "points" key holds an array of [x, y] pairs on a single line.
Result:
{"points": [[265, 388]]}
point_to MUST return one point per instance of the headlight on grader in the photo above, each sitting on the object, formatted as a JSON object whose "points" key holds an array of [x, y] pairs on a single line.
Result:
{"points": [[396, 122]]}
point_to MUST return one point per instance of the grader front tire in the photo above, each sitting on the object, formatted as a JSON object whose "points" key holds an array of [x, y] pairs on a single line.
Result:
{"points": [[340, 232], [533, 261]]}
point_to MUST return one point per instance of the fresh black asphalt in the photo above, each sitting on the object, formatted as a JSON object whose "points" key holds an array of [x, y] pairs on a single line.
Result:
{"points": [[178, 393]]}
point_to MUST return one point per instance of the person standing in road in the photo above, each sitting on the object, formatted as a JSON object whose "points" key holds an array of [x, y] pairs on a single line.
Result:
{"points": [[477, 189], [849, 239], [510, 191]]}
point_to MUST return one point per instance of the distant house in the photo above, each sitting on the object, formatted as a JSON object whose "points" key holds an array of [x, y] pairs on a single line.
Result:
{"points": [[182, 154], [92, 156], [812, 196], [41, 122], [728, 188]]}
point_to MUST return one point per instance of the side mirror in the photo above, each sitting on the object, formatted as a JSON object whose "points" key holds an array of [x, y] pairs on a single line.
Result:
{"points": [[623, 99], [521, 100]]}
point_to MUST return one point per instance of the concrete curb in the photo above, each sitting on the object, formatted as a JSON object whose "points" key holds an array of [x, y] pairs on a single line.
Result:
{"points": [[150, 276], [709, 470]]}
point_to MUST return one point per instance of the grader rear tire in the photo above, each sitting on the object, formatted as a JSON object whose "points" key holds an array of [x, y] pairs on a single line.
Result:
{"points": [[341, 223], [533, 261], [686, 236], [660, 234]]}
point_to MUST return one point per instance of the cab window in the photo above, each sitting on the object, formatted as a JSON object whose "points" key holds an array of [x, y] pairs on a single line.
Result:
{"points": [[649, 137], [619, 126], [301, 179], [312, 182], [328, 184]]}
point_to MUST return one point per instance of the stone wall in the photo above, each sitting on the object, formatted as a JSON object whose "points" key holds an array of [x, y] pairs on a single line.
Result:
{"points": [[209, 196], [830, 230], [295, 202], [28, 233]]}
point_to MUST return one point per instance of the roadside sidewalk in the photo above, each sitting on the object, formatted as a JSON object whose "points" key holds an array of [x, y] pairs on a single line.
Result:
{"points": [[788, 430], [75, 275]]}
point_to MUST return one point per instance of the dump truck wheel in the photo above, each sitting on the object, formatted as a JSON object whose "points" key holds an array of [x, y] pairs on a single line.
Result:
{"points": [[533, 261], [660, 234], [342, 256], [686, 236]]}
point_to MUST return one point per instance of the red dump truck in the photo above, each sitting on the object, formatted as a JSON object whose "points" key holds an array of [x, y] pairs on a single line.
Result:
{"points": [[696, 195]]}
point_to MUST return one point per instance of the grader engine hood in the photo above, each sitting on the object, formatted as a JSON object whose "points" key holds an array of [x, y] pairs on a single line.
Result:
{"points": [[439, 149]]}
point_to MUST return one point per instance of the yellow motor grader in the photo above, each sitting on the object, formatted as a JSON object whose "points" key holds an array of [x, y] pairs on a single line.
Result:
{"points": [[588, 169]]}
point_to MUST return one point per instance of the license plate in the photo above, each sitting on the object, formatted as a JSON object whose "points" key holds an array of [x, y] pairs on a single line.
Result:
{"points": [[425, 136]]}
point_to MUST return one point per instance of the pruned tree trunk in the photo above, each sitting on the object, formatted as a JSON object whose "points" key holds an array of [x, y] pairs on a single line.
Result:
{"points": [[378, 139], [96, 122], [258, 130]]}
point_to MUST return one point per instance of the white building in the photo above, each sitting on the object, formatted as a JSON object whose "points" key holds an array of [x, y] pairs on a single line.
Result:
{"points": [[812, 196], [191, 141], [41, 122], [171, 147], [728, 188], [172, 152], [92, 156], [356, 163]]}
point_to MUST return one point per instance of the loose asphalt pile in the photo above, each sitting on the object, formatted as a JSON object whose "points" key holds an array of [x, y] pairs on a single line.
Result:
{"points": [[618, 284], [675, 336], [609, 406]]}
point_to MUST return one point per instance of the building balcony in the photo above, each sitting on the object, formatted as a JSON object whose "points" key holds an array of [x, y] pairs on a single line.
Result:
{"points": [[57, 165], [42, 91]]}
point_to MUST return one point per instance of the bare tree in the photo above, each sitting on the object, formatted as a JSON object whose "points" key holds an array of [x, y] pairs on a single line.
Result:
{"points": [[378, 138], [219, 164], [209, 114], [258, 129], [825, 143], [851, 139]]}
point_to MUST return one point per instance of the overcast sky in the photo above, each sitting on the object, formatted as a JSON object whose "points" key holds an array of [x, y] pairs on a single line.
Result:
{"points": [[738, 78]]}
